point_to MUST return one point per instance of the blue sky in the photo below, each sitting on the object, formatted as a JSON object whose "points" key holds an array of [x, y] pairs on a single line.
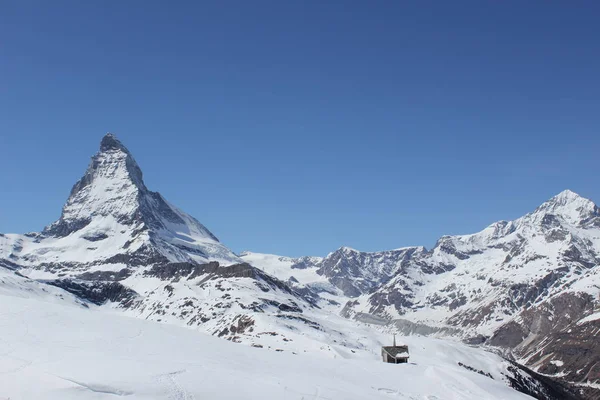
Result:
{"points": [[296, 127]]}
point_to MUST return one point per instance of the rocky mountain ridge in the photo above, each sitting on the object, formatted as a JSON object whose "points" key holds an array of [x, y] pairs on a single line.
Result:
{"points": [[524, 286]]}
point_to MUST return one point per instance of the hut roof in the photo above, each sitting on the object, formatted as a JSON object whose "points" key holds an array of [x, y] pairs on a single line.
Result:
{"points": [[396, 351]]}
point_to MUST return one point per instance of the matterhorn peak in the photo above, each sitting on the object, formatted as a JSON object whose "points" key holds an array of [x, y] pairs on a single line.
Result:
{"points": [[112, 186], [112, 201], [115, 155], [110, 142], [111, 168]]}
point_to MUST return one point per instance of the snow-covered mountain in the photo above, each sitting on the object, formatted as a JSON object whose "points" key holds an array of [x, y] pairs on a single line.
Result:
{"points": [[113, 220], [119, 244], [478, 282], [527, 286], [350, 271]]}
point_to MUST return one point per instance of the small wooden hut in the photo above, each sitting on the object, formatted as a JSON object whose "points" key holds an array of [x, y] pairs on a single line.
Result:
{"points": [[394, 354]]}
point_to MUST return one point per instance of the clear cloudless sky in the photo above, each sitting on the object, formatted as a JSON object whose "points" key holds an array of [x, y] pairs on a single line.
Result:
{"points": [[295, 127]]}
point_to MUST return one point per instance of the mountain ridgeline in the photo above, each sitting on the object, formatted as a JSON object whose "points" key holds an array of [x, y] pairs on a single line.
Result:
{"points": [[528, 288]]}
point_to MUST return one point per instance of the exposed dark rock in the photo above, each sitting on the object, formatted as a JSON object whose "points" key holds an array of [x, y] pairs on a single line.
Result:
{"points": [[406, 327], [356, 273], [97, 292], [480, 372], [304, 320], [141, 257], [105, 275], [551, 332], [539, 386], [509, 335], [95, 238], [448, 247], [244, 323], [282, 306], [8, 264]]}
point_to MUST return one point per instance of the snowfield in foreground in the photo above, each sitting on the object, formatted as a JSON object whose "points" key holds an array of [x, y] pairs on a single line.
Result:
{"points": [[53, 348]]}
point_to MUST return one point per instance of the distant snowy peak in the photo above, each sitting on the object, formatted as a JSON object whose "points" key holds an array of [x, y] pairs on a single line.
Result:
{"points": [[505, 286], [564, 212], [356, 272], [570, 207], [111, 215], [351, 271]]}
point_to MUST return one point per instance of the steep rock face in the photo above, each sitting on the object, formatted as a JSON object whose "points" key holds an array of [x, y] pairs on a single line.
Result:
{"points": [[558, 338], [357, 273]]}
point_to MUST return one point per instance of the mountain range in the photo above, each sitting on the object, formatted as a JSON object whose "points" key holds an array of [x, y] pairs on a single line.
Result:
{"points": [[527, 289]]}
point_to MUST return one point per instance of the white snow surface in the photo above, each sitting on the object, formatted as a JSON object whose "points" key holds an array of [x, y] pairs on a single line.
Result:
{"points": [[281, 267], [589, 318], [60, 350], [330, 297]]}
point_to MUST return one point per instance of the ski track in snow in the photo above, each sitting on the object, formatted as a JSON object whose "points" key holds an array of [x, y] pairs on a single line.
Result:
{"points": [[316, 395], [176, 391]]}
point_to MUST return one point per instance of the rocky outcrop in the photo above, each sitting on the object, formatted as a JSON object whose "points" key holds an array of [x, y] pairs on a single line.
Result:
{"points": [[557, 339], [97, 292], [357, 273]]}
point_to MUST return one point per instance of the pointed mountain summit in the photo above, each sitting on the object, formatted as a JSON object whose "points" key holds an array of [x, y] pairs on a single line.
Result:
{"points": [[569, 207], [110, 142], [111, 207], [112, 186]]}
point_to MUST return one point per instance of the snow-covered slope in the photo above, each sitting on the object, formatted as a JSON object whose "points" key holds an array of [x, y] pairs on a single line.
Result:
{"points": [[301, 274], [54, 351], [301, 271], [14, 285]]}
